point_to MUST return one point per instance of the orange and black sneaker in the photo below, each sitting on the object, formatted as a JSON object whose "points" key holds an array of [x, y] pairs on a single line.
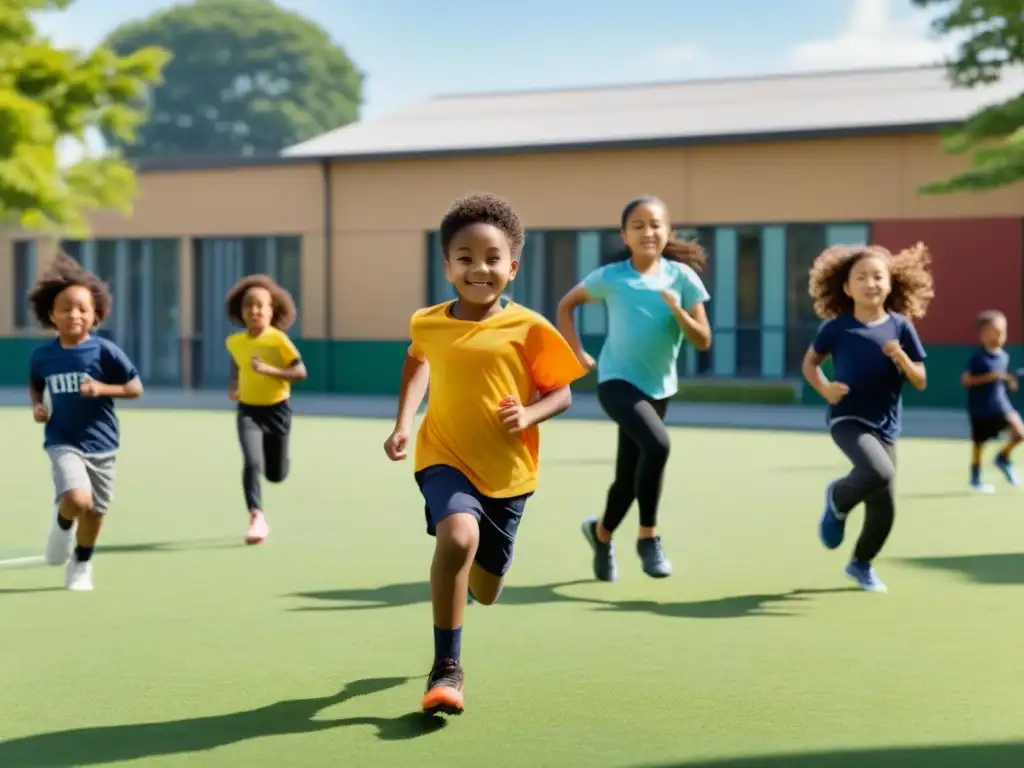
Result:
{"points": [[444, 689]]}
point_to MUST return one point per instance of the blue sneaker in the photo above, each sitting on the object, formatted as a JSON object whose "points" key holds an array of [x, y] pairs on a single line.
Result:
{"points": [[652, 558], [831, 529], [865, 577], [604, 554], [1005, 465]]}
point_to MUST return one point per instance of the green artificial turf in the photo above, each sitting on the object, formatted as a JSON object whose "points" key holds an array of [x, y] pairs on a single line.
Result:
{"points": [[311, 650]]}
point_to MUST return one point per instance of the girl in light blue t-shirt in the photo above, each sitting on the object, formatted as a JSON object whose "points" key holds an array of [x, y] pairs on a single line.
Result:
{"points": [[654, 299]]}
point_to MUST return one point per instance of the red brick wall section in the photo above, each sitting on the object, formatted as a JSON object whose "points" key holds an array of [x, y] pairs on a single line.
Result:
{"points": [[978, 264]]}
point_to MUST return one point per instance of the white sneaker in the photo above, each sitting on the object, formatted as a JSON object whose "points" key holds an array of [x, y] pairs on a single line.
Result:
{"points": [[79, 576], [59, 543]]}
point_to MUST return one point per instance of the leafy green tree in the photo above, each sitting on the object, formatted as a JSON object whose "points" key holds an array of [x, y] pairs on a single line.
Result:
{"points": [[992, 42], [48, 94], [247, 77]]}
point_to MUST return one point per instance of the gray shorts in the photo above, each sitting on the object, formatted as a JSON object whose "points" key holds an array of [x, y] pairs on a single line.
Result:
{"points": [[74, 470]]}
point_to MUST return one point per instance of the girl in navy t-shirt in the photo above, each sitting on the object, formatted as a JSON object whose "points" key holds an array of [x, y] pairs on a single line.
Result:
{"points": [[866, 297]]}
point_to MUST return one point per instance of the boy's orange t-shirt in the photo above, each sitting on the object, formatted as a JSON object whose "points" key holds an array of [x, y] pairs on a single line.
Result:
{"points": [[473, 367]]}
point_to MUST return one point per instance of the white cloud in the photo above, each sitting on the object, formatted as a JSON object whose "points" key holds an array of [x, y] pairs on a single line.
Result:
{"points": [[874, 36]]}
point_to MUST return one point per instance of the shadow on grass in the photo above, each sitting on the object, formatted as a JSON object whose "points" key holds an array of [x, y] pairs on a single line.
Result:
{"points": [[103, 745], [413, 593], [1001, 755], [926, 495], [1001, 568], [164, 547], [30, 590]]}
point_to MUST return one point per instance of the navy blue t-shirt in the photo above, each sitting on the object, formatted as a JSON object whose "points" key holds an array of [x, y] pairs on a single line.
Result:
{"points": [[88, 424], [988, 400], [876, 384]]}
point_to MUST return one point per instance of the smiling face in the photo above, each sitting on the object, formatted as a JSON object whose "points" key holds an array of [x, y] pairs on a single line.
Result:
{"points": [[74, 313], [869, 283], [647, 230], [479, 263], [257, 309]]}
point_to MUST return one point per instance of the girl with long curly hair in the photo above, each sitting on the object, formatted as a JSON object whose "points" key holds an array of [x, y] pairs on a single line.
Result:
{"points": [[265, 363], [868, 298]]}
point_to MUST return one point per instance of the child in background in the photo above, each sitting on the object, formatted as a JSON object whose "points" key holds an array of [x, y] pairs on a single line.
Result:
{"points": [[866, 297], [495, 372], [655, 299], [73, 381], [987, 378], [265, 363]]}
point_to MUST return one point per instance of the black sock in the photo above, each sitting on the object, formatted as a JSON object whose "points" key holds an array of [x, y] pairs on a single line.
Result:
{"points": [[83, 554], [63, 523], [447, 644]]}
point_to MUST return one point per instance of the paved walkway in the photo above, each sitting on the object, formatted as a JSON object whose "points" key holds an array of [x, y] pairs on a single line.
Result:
{"points": [[917, 422]]}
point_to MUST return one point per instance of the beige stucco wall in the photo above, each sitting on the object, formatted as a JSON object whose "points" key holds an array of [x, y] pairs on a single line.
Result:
{"points": [[381, 209]]}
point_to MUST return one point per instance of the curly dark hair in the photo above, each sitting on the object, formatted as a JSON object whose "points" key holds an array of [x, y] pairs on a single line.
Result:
{"points": [[62, 274], [676, 249], [909, 272], [285, 311], [482, 208]]}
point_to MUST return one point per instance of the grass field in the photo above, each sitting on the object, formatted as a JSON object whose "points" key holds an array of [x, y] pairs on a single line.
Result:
{"points": [[311, 650]]}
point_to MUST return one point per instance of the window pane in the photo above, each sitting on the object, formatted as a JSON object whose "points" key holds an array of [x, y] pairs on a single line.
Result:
{"points": [[254, 256], [706, 237], [748, 302], [289, 272], [611, 246], [438, 287], [106, 262], [24, 277], [165, 308], [72, 248], [560, 260], [803, 244]]}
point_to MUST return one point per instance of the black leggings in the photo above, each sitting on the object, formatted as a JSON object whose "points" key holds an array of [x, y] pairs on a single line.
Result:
{"points": [[871, 481], [642, 452], [263, 434]]}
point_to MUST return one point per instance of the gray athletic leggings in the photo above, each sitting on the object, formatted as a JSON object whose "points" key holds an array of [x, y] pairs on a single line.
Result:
{"points": [[871, 481], [263, 432]]}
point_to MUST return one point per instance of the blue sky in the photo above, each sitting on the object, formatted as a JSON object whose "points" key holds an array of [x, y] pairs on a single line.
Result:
{"points": [[412, 49]]}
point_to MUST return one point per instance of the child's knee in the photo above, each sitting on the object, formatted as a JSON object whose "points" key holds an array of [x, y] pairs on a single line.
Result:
{"points": [[276, 474], [76, 501], [657, 449], [459, 535]]}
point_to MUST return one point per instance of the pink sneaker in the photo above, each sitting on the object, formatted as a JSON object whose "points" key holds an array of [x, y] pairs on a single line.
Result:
{"points": [[258, 529]]}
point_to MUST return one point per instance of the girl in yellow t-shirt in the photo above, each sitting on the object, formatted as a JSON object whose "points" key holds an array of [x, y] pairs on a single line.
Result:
{"points": [[264, 363]]}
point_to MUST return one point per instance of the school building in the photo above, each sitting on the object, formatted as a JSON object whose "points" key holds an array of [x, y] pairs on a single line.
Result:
{"points": [[764, 171]]}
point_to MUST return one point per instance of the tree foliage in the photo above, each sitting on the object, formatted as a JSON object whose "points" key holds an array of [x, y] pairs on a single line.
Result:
{"points": [[992, 43], [48, 94], [247, 77]]}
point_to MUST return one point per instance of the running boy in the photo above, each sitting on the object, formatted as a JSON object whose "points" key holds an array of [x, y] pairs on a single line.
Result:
{"points": [[866, 295], [987, 378], [495, 372], [264, 363], [655, 299], [73, 381]]}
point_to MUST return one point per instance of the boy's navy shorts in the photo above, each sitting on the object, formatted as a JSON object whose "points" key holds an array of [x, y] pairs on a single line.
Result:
{"points": [[447, 492], [988, 428]]}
